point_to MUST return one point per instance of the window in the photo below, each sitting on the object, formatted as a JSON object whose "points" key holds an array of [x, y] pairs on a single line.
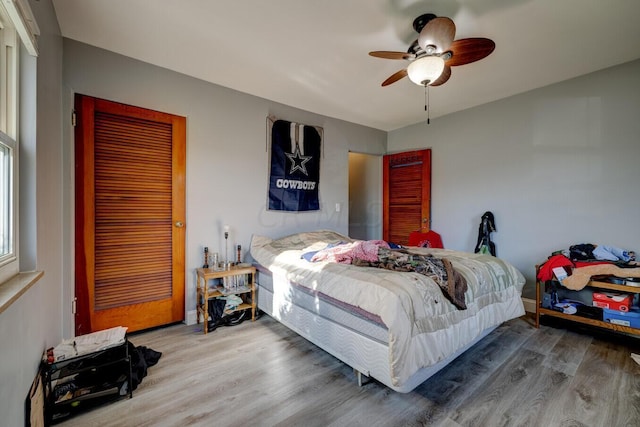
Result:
{"points": [[17, 25], [8, 160], [7, 147]]}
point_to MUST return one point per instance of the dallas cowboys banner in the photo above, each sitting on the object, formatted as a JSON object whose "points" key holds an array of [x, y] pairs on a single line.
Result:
{"points": [[295, 167]]}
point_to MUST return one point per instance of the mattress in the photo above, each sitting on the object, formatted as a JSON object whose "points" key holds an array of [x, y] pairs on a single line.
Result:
{"points": [[286, 294]]}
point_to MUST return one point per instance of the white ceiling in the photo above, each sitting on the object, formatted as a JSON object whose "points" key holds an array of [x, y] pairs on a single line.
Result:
{"points": [[313, 54]]}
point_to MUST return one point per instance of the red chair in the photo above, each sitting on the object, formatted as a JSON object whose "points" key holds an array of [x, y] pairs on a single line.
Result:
{"points": [[430, 239]]}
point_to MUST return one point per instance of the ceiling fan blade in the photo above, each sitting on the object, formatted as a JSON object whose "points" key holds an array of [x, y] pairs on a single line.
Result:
{"points": [[385, 54], [446, 73], [439, 32], [466, 51], [395, 77]]}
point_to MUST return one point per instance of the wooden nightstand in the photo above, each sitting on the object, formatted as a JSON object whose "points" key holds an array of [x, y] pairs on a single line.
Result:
{"points": [[239, 281]]}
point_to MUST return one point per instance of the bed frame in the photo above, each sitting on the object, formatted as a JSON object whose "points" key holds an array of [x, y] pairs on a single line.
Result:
{"points": [[368, 356]]}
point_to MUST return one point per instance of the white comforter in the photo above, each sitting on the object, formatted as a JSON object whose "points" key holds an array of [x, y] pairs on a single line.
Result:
{"points": [[424, 327]]}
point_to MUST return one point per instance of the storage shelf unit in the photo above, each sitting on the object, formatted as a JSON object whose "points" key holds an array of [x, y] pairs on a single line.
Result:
{"points": [[79, 383], [204, 292], [595, 284]]}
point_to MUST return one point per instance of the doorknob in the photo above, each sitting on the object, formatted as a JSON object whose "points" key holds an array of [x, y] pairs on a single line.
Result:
{"points": [[179, 224]]}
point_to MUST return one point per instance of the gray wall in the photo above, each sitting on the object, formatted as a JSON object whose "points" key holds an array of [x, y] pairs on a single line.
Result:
{"points": [[557, 166], [34, 321], [227, 159]]}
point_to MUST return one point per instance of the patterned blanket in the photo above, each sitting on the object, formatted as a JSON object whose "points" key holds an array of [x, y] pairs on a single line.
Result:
{"points": [[452, 284]]}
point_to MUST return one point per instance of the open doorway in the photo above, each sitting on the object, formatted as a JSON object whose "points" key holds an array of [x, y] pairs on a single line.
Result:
{"points": [[365, 196]]}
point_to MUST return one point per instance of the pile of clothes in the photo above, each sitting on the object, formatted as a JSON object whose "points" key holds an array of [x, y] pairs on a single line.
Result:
{"points": [[381, 254], [585, 260], [221, 312], [589, 252]]}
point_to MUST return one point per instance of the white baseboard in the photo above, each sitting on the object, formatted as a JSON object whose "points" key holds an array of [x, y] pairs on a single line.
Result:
{"points": [[529, 305], [191, 317]]}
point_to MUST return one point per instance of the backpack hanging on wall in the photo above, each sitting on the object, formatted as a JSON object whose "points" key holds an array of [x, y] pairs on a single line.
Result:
{"points": [[487, 226]]}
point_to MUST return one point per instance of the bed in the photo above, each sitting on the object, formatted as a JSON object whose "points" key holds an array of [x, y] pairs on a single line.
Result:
{"points": [[395, 327]]}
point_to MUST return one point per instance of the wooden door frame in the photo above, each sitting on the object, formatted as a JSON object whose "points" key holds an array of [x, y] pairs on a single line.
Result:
{"points": [[84, 189]]}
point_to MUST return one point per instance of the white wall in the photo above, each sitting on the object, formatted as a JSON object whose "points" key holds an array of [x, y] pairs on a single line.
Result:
{"points": [[557, 166], [227, 160], [33, 322]]}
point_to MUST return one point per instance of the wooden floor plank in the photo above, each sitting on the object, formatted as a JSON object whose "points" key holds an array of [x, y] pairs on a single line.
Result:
{"points": [[262, 374], [567, 353], [447, 389], [594, 397], [490, 402]]}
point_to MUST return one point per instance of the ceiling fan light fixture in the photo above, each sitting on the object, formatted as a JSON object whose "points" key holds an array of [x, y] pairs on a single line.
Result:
{"points": [[435, 51], [425, 70], [430, 49]]}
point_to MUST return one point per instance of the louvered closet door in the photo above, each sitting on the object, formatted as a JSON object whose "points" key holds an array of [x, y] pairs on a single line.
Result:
{"points": [[130, 215], [406, 194]]}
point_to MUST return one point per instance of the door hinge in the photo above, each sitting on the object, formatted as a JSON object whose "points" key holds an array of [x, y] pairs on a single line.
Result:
{"points": [[74, 305], [74, 118]]}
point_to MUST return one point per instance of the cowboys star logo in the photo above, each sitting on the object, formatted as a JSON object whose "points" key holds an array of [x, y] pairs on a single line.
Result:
{"points": [[298, 161]]}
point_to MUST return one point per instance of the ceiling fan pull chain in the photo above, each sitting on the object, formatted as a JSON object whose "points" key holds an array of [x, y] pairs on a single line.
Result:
{"points": [[426, 103]]}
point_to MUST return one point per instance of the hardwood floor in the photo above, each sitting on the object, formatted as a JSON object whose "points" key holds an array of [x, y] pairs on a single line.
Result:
{"points": [[262, 374]]}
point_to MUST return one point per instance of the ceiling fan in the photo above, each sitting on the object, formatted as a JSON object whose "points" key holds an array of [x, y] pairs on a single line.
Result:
{"points": [[434, 52]]}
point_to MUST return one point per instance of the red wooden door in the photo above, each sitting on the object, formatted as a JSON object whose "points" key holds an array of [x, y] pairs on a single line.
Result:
{"points": [[406, 194]]}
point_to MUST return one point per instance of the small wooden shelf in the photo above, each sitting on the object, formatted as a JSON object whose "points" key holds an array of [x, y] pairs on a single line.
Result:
{"points": [[204, 292], [612, 286], [581, 319], [587, 321]]}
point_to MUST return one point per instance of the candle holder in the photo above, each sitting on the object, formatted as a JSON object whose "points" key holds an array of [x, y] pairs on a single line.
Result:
{"points": [[206, 258], [226, 245]]}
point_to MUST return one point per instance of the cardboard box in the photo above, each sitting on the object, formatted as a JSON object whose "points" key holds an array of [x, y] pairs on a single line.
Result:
{"points": [[612, 301], [625, 318]]}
